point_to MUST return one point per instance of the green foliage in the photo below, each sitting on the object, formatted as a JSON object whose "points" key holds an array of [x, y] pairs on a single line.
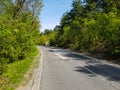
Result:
{"points": [[92, 26], [42, 40], [14, 73], [19, 30]]}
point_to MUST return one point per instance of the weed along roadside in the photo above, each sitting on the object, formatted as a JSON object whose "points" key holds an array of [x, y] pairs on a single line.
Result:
{"points": [[19, 36], [35, 82], [33, 75], [19, 73]]}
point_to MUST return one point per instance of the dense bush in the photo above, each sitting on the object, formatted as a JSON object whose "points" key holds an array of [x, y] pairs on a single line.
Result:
{"points": [[19, 30]]}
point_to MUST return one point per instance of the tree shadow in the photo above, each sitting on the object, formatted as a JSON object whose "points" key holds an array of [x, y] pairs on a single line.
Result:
{"points": [[83, 70], [111, 73], [76, 56], [50, 50], [57, 50]]}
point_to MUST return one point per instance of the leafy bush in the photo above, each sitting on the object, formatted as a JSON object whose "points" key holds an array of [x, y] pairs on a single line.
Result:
{"points": [[19, 30]]}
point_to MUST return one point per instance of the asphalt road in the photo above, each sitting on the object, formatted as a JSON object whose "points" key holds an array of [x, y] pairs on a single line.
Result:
{"points": [[67, 70]]}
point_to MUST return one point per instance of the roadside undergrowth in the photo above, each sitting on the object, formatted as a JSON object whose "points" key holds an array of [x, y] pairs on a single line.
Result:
{"points": [[16, 72]]}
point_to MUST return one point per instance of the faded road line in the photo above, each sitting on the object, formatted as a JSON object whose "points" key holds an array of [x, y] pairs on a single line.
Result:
{"points": [[61, 56], [83, 66]]}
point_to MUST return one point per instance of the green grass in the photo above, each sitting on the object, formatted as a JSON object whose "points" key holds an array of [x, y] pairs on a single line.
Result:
{"points": [[15, 73]]}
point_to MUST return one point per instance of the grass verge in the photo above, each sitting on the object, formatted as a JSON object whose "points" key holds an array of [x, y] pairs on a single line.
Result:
{"points": [[15, 73]]}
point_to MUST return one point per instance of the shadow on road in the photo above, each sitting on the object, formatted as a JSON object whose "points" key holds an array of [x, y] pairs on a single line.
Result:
{"points": [[79, 57], [109, 72], [76, 56], [50, 50], [56, 50]]}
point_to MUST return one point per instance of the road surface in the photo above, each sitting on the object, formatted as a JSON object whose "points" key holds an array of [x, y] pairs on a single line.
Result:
{"points": [[67, 70]]}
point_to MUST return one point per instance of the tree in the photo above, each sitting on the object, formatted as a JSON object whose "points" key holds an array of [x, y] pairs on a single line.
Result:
{"points": [[19, 29], [90, 26]]}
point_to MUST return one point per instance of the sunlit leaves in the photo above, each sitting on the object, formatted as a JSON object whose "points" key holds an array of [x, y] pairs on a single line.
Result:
{"points": [[93, 27], [19, 29]]}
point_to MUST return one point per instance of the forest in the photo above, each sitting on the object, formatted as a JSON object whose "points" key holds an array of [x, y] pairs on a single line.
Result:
{"points": [[19, 32], [91, 26]]}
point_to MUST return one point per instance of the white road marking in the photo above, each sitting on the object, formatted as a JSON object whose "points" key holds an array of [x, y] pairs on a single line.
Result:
{"points": [[83, 66], [115, 86], [61, 56]]}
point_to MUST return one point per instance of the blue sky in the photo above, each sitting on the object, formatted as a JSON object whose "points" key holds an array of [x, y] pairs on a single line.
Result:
{"points": [[52, 12]]}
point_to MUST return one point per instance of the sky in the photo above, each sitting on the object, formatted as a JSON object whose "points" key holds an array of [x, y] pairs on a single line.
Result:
{"points": [[52, 12]]}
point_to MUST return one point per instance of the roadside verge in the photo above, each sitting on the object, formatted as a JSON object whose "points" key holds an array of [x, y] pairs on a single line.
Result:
{"points": [[35, 81]]}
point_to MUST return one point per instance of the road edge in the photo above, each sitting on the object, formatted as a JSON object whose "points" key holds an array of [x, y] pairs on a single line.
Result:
{"points": [[38, 74], [35, 82], [41, 67]]}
